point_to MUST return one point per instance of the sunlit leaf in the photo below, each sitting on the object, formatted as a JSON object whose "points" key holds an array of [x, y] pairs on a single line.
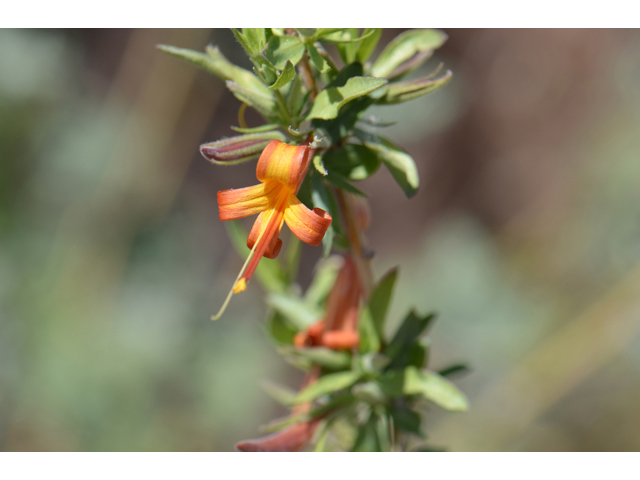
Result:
{"points": [[279, 50], [405, 46], [261, 100], [368, 44], [287, 74], [328, 102]]}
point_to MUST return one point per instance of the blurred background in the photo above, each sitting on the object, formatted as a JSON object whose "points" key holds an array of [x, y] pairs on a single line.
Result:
{"points": [[524, 236]]}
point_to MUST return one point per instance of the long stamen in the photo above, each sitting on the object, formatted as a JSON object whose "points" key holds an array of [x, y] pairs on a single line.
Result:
{"points": [[242, 270]]}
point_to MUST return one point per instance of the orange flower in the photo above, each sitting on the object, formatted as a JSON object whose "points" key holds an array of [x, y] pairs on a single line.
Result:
{"points": [[339, 329], [281, 169]]}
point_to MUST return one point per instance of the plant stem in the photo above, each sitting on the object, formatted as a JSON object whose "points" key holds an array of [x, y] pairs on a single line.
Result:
{"points": [[355, 237]]}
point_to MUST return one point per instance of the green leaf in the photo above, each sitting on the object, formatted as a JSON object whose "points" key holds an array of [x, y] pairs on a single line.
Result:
{"points": [[318, 60], [339, 181], [369, 339], [324, 279], [338, 401], [370, 392], [319, 166], [262, 101], [368, 44], [436, 389], [367, 440], [404, 91], [307, 32], [323, 32], [382, 430], [409, 331], [380, 299], [288, 74], [405, 46], [279, 50], [355, 162], [269, 273], [325, 357], [280, 331], [457, 369], [433, 387], [214, 62], [298, 312], [269, 127], [296, 96], [407, 421], [327, 384], [256, 38], [328, 102], [399, 163], [281, 394]]}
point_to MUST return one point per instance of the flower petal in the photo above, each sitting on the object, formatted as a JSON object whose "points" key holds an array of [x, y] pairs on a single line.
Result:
{"points": [[308, 225], [242, 202], [288, 164], [260, 224]]}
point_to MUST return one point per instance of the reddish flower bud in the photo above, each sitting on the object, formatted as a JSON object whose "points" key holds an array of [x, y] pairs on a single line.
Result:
{"points": [[230, 151]]}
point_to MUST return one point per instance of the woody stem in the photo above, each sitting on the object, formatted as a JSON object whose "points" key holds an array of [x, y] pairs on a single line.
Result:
{"points": [[355, 241]]}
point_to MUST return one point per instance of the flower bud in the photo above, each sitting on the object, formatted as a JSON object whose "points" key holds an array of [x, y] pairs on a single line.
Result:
{"points": [[230, 151]]}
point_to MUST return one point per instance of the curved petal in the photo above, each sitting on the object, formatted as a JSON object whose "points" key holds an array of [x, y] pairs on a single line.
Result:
{"points": [[288, 164], [308, 225], [242, 202], [260, 224]]}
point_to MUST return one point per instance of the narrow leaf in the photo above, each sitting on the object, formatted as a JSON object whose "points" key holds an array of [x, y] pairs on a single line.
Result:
{"points": [[325, 357], [409, 331], [404, 91], [327, 384], [287, 74], [262, 101], [269, 127], [323, 280], [405, 46], [380, 299], [318, 60], [280, 393], [436, 389], [295, 309], [368, 44], [399, 163]]}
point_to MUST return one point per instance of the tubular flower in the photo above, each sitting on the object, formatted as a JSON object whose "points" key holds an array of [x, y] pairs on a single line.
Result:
{"points": [[339, 329], [292, 439], [281, 169]]}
